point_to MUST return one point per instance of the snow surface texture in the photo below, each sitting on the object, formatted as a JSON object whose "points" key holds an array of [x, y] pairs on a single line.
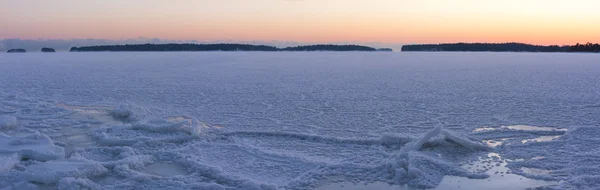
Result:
{"points": [[239, 120]]}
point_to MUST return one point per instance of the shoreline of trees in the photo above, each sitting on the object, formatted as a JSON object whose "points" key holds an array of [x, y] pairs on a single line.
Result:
{"points": [[446, 47], [502, 47], [218, 47]]}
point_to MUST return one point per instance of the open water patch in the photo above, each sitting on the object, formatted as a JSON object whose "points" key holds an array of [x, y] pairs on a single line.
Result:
{"points": [[500, 177]]}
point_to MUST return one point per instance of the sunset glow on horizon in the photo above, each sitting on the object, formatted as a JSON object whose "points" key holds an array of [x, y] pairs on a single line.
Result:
{"points": [[388, 21]]}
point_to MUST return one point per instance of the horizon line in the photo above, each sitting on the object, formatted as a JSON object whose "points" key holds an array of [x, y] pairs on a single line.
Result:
{"points": [[166, 40]]}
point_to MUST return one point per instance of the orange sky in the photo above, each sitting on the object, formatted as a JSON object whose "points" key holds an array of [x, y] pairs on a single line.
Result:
{"points": [[387, 21]]}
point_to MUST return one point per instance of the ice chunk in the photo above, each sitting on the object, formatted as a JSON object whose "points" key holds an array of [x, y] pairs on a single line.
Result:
{"points": [[122, 113], [393, 140], [53, 171], [195, 128], [128, 113], [416, 145], [7, 122], [7, 162], [532, 128], [111, 141], [36, 146], [464, 141]]}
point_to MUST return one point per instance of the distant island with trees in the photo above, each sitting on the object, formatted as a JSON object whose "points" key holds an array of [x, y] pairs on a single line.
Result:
{"points": [[445, 47], [16, 51], [502, 47], [48, 50], [221, 47]]}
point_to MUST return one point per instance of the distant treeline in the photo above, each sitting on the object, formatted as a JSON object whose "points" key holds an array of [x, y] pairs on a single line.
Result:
{"points": [[219, 47], [589, 47], [502, 47]]}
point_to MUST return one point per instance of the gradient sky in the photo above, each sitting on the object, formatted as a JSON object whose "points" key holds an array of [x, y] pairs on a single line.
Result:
{"points": [[387, 21]]}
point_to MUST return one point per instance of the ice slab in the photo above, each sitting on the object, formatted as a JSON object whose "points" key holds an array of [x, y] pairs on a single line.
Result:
{"points": [[165, 169], [542, 139], [53, 171], [37, 146], [533, 128], [78, 141], [520, 127], [536, 171], [95, 115]]}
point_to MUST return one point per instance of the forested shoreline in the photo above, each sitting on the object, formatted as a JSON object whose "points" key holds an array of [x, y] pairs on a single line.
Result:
{"points": [[219, 47], [502, 47]]}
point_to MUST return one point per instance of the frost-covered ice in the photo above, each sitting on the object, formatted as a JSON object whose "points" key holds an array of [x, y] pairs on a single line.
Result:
{"points": [[7, 121], [53, 171], [36, 146], [319, 120]]}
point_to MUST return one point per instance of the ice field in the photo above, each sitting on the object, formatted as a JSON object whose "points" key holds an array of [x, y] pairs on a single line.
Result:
{"points": [[318, 120]]}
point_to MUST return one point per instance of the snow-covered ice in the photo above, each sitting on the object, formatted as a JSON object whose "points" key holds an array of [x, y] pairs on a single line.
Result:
{"points": [[296, 120], [53, 171], [36, 146], [7, 121]]}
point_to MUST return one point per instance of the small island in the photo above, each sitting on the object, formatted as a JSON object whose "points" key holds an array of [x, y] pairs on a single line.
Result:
{"points": [[16, 51], [501, 47], [48, 50], [218, 47], [329, 48]]}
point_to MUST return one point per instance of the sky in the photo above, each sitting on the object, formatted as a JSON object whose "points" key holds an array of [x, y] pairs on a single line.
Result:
{"points": [[543, 22]]}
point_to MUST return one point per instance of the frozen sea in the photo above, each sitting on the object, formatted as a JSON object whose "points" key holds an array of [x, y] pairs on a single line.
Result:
{"points": [[299, 120]]}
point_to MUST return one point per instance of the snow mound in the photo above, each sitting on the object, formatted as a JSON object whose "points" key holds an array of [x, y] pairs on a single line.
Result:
{"points": [[53, 171], [37, 147], [7, 122]]}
